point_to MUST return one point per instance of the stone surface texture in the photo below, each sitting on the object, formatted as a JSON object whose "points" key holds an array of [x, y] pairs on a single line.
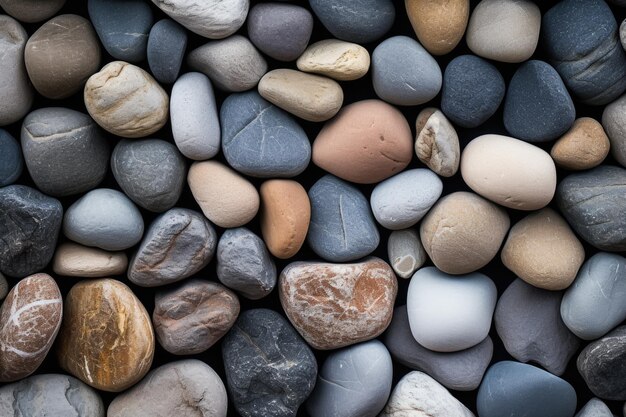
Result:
{"points": [[437, 143], [342, 61], [72, 260], [584, 146], [438, 26]]}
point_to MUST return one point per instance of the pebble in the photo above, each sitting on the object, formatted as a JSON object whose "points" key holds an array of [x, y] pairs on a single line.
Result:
{"points": [[194, 117], [542, 250], [463, 232], [460, 371], [596, 301], [342, 227], [29, 227], [31, 11], [595, 408], [126, 101], [402, 200], [285, 216], [11, 160], [4, 287], [151, 172], [122, 26], [405, 251], [340, 60], [472, 91], [417, 394], [61, 55], [584, 146], [504, 30], [192, 317], [225, 197], [72, 260], [270, 371], [614, 122], [186, 387], [437, 143], [30, 316], [167, 43], [244, 264], [367, 142], [354, 381], [580, 37], [261, 140], [106, 339], [509, 171], [280, 31], [404, 73], [528, 322], [593, 202], [308, 96], [439, 27], [337, 305], [104, 218], [513, 388], [178, 244], [233, 64], [537, 107], [65, 151]]}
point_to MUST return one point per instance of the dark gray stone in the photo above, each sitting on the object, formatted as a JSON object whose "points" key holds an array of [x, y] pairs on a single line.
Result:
{"points": [[29, 226], [167, 43], [270, 370], [11, 162], [595, 408], [4, 287], [602, 365]]}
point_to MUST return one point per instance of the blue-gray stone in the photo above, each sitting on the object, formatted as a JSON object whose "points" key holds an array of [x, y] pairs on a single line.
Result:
{"points": [[11, 162], [512, 389], [167, 43], [582, 42], [472, 91], [342, 226], [261, 140]]}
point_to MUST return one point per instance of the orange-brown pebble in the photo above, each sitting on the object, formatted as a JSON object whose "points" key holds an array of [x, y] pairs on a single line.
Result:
{"points": [[439, 25], [584, 146]]}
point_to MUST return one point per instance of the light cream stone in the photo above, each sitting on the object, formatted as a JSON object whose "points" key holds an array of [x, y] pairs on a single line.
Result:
{"points": [[584, 146], [439, 25], [343, 61], [437, 143], [73, 260]]}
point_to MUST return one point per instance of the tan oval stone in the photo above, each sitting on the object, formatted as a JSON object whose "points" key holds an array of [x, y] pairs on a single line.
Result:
{"points": [[285, 216], [106, 339], [73, 260], [225, 197], [343, 61], [439, 26], [436, 143], [310, 97], [366, 143], [126, 100], [584, 146], [463, 232], [336, 305], [543, 251]]}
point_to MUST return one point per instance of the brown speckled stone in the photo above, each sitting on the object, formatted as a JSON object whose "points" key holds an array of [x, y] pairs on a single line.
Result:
{"points": [[584, 146]]}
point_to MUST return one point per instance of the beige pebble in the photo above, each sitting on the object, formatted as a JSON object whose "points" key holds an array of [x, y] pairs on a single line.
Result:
{"points": [[437, 143], [439, 25], [584, 146], [343, 61], [73, 260]]}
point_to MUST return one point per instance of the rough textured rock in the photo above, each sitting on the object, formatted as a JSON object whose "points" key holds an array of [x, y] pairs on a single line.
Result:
{"points": [[438, 26], [436, 142], [614, 122], [72, 260], [11, 160], [31, 11], [343, 61], [584, 146], [405, 251], [594, 408], [602, 365], [166, 48]]}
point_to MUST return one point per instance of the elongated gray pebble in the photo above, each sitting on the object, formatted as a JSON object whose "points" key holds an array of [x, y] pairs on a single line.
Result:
{"points": [[405, 251], [166, 47]]}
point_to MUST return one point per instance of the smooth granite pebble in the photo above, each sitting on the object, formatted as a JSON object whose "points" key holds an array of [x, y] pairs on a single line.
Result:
{"points": [[405, 251], [595, 408], [614, 122], [11, 160], [342, 61], [31, 11], [602, 365], [436, 142], [165, 50], [72, 260], [584, 146], [438, 26]]}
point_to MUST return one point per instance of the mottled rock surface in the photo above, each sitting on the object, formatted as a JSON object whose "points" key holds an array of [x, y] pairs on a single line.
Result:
{"points": [[437, 143]]}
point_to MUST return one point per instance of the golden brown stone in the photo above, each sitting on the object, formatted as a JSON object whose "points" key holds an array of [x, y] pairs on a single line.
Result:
{"points": [[584, 146], [439, 25]]}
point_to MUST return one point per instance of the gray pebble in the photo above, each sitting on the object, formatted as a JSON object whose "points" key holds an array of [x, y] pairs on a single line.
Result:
{"points": [[167, 43], [614, 123], [595, 408], [406, 252], [4, 287], [11, 162]]}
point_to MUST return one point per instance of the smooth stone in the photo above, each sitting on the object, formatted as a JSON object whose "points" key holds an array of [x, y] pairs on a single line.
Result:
{"points": [[510, 172], [437, 143], [104, 218], [178, 244], [61, 55], [261, 140], [337, 305], [244, 264], [596, 302], [122, 26], [463, 232], [225, 197], [11, 160], [584, 146], [460, 371], [504, 30], [342, 227], [65, 151], [233, 64], [285, 216], [593, 202], [340, 60], [126, 101], [602, 365], [270, 371], [353, 382], [4, 287], [192, 317], [622, 29], [186, 387], [472, 91], [31, 11], [438, 26], [614, 122], [308, 96], [406, 253], [580, 37], [151, 172], [72, 260], [359, 21], [404, 73], [106, 339], [29, 227], [367, 142], [516, 389], [417, 394], [31, 317], [595, 408], [542, 250], [167, 43]]}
